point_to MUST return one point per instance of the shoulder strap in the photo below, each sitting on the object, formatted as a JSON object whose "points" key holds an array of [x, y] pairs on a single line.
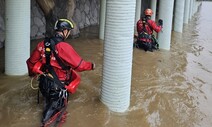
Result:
{"points": [[146, 23], [60, 62], [48, 52]]}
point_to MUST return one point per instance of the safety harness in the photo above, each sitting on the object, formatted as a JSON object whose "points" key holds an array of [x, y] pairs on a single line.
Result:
{"points": [[144, 33], [53, 90]]}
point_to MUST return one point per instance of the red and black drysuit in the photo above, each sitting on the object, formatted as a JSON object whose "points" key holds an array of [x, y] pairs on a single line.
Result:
{"points": [[55, 94], [145, 27]]}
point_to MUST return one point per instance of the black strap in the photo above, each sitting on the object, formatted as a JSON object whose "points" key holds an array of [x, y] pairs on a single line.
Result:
{"points": [[49, 48], [146, 23], [144, 27], [48, 52], [60, 62]]}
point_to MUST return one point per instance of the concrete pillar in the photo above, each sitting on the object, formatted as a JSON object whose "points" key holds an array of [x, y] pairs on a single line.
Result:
{"points": [[166, 13], [102, 19], [191, 9], [154, 7], [117, 58], [186, 11], [178, 16], [138, 11], [195, 6], [17, 42], [199, 3]]}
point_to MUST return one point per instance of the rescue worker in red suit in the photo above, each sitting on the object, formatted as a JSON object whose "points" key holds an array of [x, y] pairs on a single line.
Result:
{"points": [[69, 58], [145, 28]]}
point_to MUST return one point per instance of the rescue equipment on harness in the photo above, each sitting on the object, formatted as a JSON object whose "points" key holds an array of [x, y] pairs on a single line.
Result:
{"points": [[53, 90], [71, 87], [153, 44], [75, 78], [144, 33]]}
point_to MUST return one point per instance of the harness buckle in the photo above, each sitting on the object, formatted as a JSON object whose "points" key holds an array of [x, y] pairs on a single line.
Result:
{"points": [[63, 93]]}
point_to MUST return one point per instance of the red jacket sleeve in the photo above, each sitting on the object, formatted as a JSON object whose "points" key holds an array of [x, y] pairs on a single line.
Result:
{"points": [[154, 26], [70, 56], [33, 59], [139, 26]]}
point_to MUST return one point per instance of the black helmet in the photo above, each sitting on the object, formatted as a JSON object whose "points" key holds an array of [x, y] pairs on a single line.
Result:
{"points": [[62, 24]]}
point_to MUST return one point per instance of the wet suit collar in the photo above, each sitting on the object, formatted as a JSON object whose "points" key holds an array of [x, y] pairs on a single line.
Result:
{"points": [[58, 37]]}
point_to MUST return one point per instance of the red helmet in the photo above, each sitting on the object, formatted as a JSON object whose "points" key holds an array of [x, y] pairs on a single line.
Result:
{"points": [[148, 12]]}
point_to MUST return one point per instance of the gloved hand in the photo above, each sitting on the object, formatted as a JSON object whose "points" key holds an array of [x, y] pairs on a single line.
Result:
{"points": [[160, 22]]}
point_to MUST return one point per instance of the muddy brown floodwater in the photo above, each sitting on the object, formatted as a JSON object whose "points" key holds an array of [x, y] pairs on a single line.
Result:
{"points": [[169, 88]]}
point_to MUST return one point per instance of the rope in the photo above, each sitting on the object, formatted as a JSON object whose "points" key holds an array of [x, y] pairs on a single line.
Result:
{"points": [[34, 88]]}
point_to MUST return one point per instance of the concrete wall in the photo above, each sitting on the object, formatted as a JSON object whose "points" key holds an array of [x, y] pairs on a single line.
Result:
{"points": [[86, 13], [2, 24], [37, 21]]}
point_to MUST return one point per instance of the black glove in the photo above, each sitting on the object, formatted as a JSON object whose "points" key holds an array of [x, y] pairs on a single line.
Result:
{"points": [[160, 22]]}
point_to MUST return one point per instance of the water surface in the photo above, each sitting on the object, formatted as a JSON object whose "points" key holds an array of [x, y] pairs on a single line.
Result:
{"points": [[169, 88]]}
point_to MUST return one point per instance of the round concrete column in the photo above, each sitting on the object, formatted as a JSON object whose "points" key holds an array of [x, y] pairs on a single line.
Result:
{"points": [[138, 11], [179, 14], [17, 42], [191, 9], [154, 7], [117, 61], [166, 13], [102, 19], [195, 6], [186, 11]]}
